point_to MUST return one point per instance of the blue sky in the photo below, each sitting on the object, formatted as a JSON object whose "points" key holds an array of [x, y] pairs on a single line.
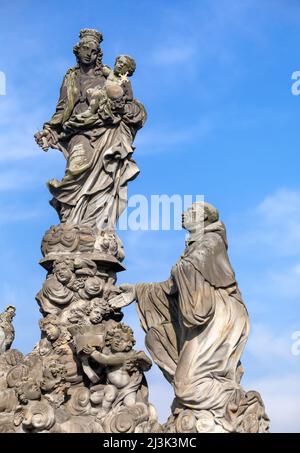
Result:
{"points": [[215, 77]]}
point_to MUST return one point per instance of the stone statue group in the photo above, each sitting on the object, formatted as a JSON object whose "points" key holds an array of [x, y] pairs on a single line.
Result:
{"points": [[84, 374]]}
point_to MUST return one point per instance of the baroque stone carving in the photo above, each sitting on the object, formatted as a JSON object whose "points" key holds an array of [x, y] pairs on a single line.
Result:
{"points": [[196, 328], [7, 331], [94, 125], [84, 374]]}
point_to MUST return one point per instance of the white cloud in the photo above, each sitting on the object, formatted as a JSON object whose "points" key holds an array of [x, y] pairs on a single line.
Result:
{"points": [[14, 180], [270, 232], [174, 54], [13, 214], [166, 138], [17, 127], [273, 224], [278, 284], [267, 346], [282, 401], [207, 35], [281, 206], [285, 282]]}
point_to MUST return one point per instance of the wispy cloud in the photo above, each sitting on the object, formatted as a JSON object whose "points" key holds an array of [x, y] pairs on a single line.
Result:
{"points": [[167, 139], [282, 400], [17, 214], [274, 223], [268, 346], [207, 35], [174, 55], [19, 121], [282, 206], [14, 180], [284, 282]]}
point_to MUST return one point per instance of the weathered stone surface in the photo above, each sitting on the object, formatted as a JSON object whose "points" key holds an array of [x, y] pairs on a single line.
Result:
{"points": [[84, 374], [94, 125], [7, 331], [196, 328]]}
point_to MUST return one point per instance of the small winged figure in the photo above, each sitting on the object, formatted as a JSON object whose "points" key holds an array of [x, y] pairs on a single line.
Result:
{"points": [[7, 331]]}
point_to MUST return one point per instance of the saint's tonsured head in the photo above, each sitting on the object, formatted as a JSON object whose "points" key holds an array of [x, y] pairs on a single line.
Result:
{"points": [[199, 215]]}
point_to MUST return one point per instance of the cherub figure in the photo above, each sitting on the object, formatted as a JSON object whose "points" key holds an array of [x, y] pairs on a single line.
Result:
{"points": [[84, 312], [93, 287], [7, 331], [100, 310], [50, 328], [59, 289], [28, 390], [62, 352], [103, 99], [77, 313], [106, 102], [124, 67], [124, 369]]}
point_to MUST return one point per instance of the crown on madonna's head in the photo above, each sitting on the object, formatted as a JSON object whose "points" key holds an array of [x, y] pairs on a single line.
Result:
{"points": [[90, 33]]}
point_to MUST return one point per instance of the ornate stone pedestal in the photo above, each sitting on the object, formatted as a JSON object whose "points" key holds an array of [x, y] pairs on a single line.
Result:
{"points": [[66, 384]]}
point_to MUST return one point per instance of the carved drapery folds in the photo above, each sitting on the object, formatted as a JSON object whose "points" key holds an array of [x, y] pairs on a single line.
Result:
{"points": [[84, 375], [85, 366]]}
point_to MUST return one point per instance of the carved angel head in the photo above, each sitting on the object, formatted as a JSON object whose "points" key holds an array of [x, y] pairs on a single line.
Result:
{"points": [[100, 309], [124, 64], [63, 270], [50, 326], [120, 338]]}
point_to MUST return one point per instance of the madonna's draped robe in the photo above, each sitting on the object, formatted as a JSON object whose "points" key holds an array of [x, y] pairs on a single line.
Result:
{"points": [[99, 155]]}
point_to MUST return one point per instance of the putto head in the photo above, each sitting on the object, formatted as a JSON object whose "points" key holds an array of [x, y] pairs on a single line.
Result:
{"points": [[28, 390], [63, 269], [93, 286], [120, 338], [50, 326], [10, 311], [125, 64], [100, 309], [53, 374]]}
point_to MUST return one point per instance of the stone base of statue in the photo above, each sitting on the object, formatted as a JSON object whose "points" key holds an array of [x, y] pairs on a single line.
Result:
{"points": [[84, 375], [245, 413], [66, 384]]}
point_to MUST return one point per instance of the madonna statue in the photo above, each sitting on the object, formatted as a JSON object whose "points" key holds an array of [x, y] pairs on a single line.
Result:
{"points": [[94, 125]]}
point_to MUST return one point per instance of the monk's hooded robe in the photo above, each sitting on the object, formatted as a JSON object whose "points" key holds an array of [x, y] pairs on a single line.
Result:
{"points": [[196, 324]]}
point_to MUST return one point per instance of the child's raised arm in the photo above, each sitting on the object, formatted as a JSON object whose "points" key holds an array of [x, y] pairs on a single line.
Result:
{"points": [[110, 360]]}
